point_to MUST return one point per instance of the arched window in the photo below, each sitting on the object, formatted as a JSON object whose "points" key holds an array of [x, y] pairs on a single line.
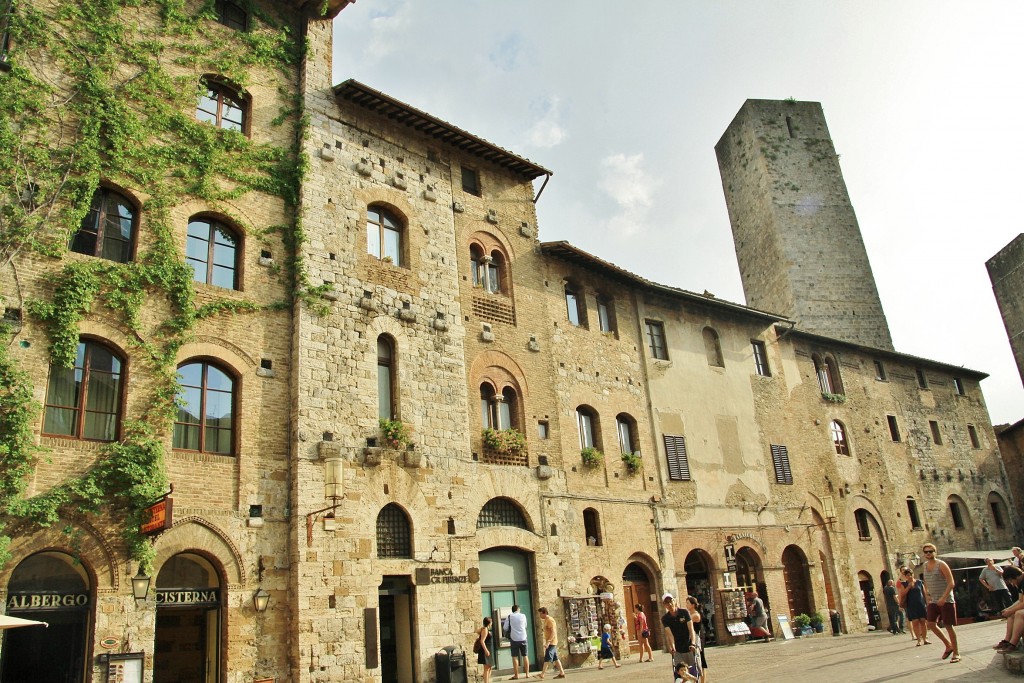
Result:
{"points": [[828, 375], [384, 231], [385, 377], [592, 526], [476, 258], [713, 348], [958, 513], [864, 522], [501, 512], [394, 533], [488, 269], [839, 437], [108, 230], [222, 106], [625, 427], [498, 411], [575, 310], [212, 250], [587, 421], [206, 409], [231, 15], [84, 401], [997, 506]]}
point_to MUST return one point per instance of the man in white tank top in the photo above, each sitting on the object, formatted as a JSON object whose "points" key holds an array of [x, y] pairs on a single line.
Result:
{"points": [[938, 594]]}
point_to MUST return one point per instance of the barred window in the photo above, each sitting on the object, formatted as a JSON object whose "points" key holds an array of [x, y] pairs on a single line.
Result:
{"points": [[501, 512], [780, 459], [675, 452], [394, 536]]}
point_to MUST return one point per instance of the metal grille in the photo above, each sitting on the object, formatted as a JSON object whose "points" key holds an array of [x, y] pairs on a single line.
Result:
{"points": [[678, 463], [501, 512], [780, 458], [394, 538], [494, 309]]}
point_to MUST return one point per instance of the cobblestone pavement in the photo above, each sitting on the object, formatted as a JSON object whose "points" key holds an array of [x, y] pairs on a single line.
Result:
{"points": [[860, 658]]}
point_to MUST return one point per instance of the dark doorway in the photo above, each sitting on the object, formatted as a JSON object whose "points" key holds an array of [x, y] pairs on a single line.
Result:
{"points": [[47, 655], [395, 598], [188, 621]]}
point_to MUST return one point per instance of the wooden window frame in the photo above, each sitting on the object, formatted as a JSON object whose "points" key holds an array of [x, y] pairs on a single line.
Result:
{"points": [[780, 462], [676, 457], [657, 343], [98, 217], [223, 92], [760, 351], [80, 409], [235, 393], [214, 225]]}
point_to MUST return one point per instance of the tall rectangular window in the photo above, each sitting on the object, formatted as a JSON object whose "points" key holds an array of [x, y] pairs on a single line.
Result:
{"points": [[973, 434], [675, 453], [760, 358], [574, 307], [879, 371], [863, 526], [470, 181], [780, 459], [922, 381], [605, 317], [954, 511], [958, 385], [656, 340], [7, 7], [915, 517], [894, 428], [936, 435], [997, 514]]}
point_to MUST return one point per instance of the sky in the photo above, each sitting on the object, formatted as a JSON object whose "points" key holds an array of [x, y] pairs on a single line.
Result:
{"points": [[624, 102]]}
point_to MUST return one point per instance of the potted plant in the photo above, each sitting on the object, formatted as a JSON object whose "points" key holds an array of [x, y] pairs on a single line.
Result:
{"points": [[591, 456], [397, 435], [803, 623], [632, 461], [510, 441], [818, 622]]}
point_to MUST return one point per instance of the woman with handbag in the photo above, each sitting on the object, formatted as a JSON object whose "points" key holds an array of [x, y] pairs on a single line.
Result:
{"points": [[643, 632], [482, 648]]}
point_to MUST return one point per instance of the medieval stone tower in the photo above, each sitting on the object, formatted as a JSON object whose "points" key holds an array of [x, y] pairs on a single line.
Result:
{"points": [[1006, 270], [796, 235]]}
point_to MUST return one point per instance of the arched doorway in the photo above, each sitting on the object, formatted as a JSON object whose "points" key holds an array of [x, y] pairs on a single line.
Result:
{"points": [[867, 591], [750, 576], [798, 581], [51, 587], [505, 581], [698, 567], [188, 621], [637, 590]]}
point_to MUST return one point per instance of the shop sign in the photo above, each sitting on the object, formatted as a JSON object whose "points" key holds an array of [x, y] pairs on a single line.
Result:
{"points": [[730, 557], [165, 596], [446, 575], [157, 517], [37, 601]]}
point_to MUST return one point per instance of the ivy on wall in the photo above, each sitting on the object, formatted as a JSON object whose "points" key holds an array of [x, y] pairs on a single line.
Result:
{"points": [[106, 90]]}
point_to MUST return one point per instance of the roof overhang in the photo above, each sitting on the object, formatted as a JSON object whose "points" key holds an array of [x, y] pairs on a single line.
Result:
{"points": [[356, 93], [567, 252], [321, 9]]}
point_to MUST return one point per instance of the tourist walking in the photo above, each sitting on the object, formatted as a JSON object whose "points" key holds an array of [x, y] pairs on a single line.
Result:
{"points": [[678, 632], [643, 632], [550, 644], [938, 592], [606, 648], [699, 630], [892, 607], [482, 648], [915, 605]]}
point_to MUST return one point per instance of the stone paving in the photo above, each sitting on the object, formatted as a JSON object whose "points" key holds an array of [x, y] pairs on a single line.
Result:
{"points": [[859, 658]]}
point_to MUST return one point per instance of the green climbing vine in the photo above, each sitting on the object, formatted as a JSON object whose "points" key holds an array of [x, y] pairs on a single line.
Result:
{"points": [[105, 91]]}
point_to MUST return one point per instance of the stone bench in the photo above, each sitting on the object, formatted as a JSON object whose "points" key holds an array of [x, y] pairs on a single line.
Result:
{"points": [[1014, 662]]}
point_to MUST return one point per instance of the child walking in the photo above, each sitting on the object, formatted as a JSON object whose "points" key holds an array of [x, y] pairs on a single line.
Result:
{"points": [[606, 648]]}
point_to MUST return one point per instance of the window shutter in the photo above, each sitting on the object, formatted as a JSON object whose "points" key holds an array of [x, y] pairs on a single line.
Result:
{"points": [[780, 458], [675, 452]]}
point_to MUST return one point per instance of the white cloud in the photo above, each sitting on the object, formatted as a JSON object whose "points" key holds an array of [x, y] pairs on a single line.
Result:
{"points": [[632, 189], [547, 131]]}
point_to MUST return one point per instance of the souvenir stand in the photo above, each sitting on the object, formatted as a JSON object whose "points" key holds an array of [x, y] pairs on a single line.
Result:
{"points": [[733, 611], [585, 618]]}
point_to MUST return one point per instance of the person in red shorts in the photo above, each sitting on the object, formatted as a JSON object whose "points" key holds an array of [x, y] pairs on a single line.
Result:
{"points": [[938, 593]]}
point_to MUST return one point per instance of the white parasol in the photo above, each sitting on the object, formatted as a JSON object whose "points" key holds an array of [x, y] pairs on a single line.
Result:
{"points": [[15, 622]]}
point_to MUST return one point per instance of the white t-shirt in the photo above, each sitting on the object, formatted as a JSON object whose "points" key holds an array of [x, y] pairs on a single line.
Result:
{"points": [[517, 627]]}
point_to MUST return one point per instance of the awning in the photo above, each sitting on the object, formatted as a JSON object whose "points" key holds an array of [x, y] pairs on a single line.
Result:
{"points": [[981, 555], [15, 622]]}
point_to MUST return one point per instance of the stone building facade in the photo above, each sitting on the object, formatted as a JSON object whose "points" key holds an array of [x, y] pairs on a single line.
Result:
{"points": [[451, 416]]}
